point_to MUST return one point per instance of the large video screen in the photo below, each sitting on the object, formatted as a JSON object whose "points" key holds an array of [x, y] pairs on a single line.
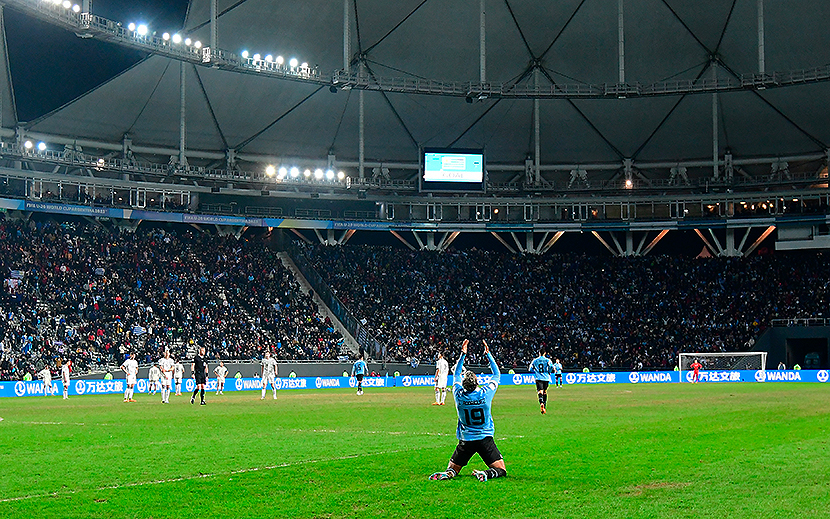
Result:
{"points": [[446, 169]]}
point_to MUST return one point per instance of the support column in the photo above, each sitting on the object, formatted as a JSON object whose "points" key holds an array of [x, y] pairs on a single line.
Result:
{"points": [[347, 53], [361, 133], [715, 145], [761, 52], [482, 56], [537, 173], [86, 6], [182, 118], [730, 243], [214, 29], [629, 243], [621, 40]]}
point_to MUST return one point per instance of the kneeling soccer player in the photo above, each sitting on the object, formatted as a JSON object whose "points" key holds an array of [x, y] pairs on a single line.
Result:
{"points": [[475, 423]]}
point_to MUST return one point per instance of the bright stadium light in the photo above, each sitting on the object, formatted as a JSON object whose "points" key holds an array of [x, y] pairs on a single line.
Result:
{"points": [[270, 170], [318, 174], [177, 38], [283, 171], [257, 57], [165, 36], [188, 41], [269, 58], [28, 145], [303, 65], [197, 44], [131, 26], [340, 175], [280, 60], [141, 30], [295, 172], [57, 2], [67, 4], [628, 183], [307, 173], [76, 8], [329, 175], [41, 146], [245, 54], [293, 63]]}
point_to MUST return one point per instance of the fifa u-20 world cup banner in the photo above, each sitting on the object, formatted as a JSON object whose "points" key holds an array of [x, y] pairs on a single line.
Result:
{"points": [[143, 386]]}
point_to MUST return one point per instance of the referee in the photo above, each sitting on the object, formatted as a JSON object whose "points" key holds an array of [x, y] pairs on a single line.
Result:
{"points": [[199, 368]]}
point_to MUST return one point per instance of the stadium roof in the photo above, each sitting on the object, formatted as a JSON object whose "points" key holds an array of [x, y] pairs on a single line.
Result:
{"points": [[568, 42]]}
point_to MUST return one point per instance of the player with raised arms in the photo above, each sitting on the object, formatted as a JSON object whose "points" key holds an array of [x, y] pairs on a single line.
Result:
{"points": [[65, 370], [130, 367], [359, 369], [542, 367], [442, 370], [269, 374], [166, 364], [475, 422]]}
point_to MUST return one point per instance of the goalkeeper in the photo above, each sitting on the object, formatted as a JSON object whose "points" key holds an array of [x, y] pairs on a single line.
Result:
{"points": [[475, 423]]}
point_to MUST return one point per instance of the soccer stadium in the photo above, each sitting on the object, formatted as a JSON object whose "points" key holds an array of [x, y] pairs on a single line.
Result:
{"points": [[414, 258]]}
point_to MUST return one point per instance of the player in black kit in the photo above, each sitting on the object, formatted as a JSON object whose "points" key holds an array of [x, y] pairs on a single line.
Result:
{"points": [[199, 368]]}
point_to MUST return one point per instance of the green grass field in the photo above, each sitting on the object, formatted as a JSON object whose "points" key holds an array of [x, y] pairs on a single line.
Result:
{"points": [[666, 450]]}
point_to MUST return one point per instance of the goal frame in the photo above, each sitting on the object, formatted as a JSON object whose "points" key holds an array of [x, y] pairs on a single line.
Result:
{"points": [[702, 355]]}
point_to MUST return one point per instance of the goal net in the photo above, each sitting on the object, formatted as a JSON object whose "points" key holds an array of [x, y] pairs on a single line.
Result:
{"points": [[747, 360]]}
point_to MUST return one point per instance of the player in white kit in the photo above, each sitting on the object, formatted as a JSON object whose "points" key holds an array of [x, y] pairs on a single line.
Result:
{"points": [[178, 373], [154, 377], [269, 374], [442, 369], [166, 364], [46, 375], [65, 369], [221, 371], [130, 367]]}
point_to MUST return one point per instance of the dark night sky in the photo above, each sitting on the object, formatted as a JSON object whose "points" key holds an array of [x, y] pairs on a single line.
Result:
{"points": [[51, 66]]}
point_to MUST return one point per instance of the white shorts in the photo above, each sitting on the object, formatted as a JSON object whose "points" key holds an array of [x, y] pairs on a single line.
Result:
{"points": [[167, 379], [130, 380], [220, 380], [178, 381], [65, 381], [442, 382], [268, 380]]}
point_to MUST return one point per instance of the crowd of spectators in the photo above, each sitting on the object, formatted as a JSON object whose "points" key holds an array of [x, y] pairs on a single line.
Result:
{"points": [[589, 311], [91, 294]]}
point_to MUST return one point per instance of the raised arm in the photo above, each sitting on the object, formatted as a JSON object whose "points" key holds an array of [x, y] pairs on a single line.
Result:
{"points": [[459, 366], [494, 368]]}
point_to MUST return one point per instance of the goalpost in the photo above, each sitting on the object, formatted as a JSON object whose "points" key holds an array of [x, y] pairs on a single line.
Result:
{"points": [[746, 360]]}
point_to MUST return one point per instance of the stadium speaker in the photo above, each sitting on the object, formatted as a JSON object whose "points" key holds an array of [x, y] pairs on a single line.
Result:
{"points": [[265, 192], [315, 195], [214, 190]]}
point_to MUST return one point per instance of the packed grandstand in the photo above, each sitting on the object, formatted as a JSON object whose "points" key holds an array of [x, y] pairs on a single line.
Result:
{"points": [[90, 293]]}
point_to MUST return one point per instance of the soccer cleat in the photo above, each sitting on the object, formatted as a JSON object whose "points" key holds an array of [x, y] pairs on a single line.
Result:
{"points": [[131, 400], [480, 475], [436, 403], [442, 403], [203, 403], [542, 409], [440, 476], [192, 400]]}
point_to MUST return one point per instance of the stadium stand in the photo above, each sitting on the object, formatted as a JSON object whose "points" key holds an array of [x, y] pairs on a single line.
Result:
{"points": [[603, 312], [81, 291]]}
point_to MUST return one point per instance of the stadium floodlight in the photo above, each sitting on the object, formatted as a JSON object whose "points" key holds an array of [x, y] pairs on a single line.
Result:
{"points": [[303, 65], [177, 38], [197, 44], [188, 41], [141, 30], [340, 175], [257, 57], [283, 171], [280, 60], [28, 145], [269, 58], [293, 63], [307, 173], [295, 172], [131, 26], [57, 2], [318, 174], [245, 54], [41, 146], [628, 183], [329, 175], [76, 8], [165, 36], [270, 170], [67, 4]]}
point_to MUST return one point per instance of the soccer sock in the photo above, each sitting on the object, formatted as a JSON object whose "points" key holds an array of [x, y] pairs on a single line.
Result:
{"points": [[360, 386], [451, 472], [495, 473], [65, 392], [545, 398], [541, 398], [126, 393], [443, 395], [437, 396], [202, 395], [263, 392], [195, 392]]}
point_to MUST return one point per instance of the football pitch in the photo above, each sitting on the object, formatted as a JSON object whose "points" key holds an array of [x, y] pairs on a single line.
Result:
{"points": [[662, 450]]}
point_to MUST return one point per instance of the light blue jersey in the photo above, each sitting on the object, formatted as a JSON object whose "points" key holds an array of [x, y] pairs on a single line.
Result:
{"points": [[359, 368], [474, 419], [541, 367], [557, 368]]}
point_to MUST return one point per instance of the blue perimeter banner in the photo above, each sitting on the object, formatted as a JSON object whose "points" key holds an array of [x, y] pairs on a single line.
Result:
{"points": [[101, 387]]}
